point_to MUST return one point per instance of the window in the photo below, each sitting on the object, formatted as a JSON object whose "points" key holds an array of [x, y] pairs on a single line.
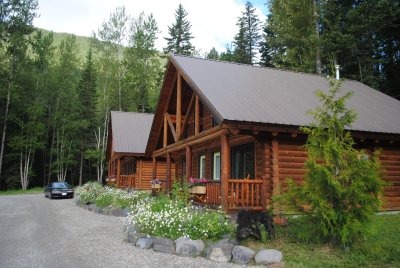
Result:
{"points": [[202, 166], [242, 161], [217, 166], [129, 167]]}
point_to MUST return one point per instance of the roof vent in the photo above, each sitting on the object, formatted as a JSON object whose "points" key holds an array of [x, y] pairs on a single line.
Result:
{"points": [[337, 68]]}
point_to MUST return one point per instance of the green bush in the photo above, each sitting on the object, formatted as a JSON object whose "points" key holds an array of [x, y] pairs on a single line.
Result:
{"points": [[341, 189]]}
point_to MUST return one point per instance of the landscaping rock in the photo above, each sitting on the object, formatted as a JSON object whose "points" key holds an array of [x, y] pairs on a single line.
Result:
{"points": [[145, 242], [134, 237], [126, 211], [268, 256], [220, 252], [106, 211], [188, 247], [91, 207], [98, 210], [242, 254], [117, 212], [165, 245], [228, 239]]}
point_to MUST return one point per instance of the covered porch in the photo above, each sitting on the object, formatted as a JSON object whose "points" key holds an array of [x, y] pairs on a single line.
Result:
{"points": [[233, 164], [122, 171]]}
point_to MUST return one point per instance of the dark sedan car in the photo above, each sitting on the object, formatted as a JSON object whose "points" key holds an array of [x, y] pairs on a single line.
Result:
{"points": [[58, 189]]}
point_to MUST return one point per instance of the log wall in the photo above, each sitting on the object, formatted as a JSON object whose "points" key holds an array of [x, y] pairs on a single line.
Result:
{"points": [[292, 156], [144, 170], [390, 160]]}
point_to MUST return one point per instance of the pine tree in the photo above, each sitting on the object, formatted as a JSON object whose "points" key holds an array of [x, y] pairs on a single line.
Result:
{"points": [[180, 35], [266, 49], [341, 188], [248, 38], [87, 90], [213, 54], [87, 98], [240, 53]]}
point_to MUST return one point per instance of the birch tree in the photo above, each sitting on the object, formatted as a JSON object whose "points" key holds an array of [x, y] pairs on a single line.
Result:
{"points": [[108, 43], [16, 19]]}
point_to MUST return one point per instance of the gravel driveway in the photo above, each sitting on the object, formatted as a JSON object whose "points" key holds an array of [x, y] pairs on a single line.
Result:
{"points": [[38, 232]]}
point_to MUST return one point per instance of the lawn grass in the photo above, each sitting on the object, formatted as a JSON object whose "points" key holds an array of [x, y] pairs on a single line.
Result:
{"points": [[28, 191], [379, 248]]}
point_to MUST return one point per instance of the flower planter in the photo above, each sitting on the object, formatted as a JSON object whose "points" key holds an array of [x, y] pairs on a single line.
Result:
{"points": [[155, 186], [197, 189]]}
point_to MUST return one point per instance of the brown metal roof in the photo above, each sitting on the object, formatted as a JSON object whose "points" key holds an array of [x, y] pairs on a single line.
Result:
{"points": [[247, 93], [130, 131]]}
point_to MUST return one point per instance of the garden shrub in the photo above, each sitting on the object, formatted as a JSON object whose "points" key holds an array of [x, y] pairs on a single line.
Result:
{"points": [[341, 188]]}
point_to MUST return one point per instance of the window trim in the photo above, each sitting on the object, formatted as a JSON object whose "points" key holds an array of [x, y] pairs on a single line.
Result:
{"points": [[201, 168], [214, 177]]}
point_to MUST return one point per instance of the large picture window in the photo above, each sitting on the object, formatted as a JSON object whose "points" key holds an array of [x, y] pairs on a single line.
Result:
{"points": [[217, 166], [202, 166], [242, 161]]}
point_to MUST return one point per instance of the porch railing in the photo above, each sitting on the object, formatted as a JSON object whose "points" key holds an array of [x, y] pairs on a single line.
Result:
{"points": [[213, 193], [245, 194], [126, 181]]}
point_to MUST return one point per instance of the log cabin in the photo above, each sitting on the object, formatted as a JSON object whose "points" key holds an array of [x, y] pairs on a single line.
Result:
{"points": [[238, 127], [128, 167]]}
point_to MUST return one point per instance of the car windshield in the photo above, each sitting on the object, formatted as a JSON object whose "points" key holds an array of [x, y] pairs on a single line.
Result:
{"points": [[61, 185]]}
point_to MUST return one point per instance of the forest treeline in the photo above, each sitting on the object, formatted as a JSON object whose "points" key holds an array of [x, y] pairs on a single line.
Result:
{"points": [[55, 105]]}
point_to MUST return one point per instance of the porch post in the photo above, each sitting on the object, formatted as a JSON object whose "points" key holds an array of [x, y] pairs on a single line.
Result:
{"points": [[225, 169], [168, 173], [275, 170], [188, 162], [154, 173], [118, 171]]}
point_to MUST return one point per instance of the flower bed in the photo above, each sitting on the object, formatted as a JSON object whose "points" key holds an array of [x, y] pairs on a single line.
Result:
{"points": [[95, 193], [169, 218]]}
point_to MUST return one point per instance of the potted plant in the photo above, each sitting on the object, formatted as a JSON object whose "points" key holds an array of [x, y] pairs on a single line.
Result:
{"points": [[155, 184], [197, 186]]}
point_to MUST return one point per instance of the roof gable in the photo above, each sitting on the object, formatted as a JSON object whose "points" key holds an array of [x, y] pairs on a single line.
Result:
{"points": [[130, 131]]}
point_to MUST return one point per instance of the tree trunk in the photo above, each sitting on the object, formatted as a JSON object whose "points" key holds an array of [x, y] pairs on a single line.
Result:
{"points": [[81, 168], [3, 137], [318, 65]]}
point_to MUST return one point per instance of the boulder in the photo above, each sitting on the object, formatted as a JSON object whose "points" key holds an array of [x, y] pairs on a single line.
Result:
{"points": [[220, 252], [90, 207], [126, 211], [268, 256], [188, 247], [145, 242], [242, 254], [98, 210], [165, 245], [117, 212], [134, 237]]}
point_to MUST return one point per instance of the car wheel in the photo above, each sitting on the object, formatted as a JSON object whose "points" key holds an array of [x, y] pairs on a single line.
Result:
{"points": [[45, 195]]}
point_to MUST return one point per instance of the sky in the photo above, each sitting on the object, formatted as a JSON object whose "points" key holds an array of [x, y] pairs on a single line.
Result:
{"points": [[213, 21]]}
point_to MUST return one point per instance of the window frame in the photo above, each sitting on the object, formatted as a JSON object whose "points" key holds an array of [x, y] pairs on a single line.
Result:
{"points": [[202, 169], [242, 163], [214, 177]]}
